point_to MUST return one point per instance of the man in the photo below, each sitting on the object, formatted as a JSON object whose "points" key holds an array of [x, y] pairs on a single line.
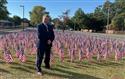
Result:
{"points": [[46, 37]]}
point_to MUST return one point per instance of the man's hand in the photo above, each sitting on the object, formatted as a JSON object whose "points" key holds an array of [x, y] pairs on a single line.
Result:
{"points": [[49, 42]]}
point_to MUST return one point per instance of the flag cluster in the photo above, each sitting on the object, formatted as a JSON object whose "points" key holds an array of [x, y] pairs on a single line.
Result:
{"points": [[71, 45]]}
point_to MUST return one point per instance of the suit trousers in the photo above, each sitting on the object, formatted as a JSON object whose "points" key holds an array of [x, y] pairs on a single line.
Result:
{"points": [[43, 52]]}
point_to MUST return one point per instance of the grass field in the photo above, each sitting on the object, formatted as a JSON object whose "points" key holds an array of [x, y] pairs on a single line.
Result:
{"points": [[77, 70], [66, 70]]}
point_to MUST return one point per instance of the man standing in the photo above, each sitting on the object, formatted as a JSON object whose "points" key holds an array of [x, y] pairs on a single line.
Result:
{"points": [[46, 37]]}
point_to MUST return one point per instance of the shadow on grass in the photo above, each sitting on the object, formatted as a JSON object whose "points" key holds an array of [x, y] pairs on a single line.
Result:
{"points": [[14, 63], [29, 67], [70, 75], [30, 62], [102, 63], [63, 67], [85, 66], [1, 62], [4, 71], [22, 69], [109, 63]]}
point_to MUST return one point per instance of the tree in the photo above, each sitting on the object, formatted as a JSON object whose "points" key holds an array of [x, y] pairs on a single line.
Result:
{"points": [[118, 22], [100, 19], [70, 24], [36, 14], [16, 20], [111, 7], [3, 10], [97, 20], [10, 19], [57, 23], [79, 19], [64, 18], [120, 5]]}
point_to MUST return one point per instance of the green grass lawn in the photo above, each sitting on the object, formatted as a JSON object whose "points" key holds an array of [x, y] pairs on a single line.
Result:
{"points": [[66, 70]]}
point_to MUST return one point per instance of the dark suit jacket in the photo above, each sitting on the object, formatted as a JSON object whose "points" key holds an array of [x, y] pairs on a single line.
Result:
{"points": [[45, 35]]}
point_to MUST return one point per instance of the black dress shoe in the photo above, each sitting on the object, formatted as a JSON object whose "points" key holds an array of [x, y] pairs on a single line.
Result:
{"points": [[47, 67]]}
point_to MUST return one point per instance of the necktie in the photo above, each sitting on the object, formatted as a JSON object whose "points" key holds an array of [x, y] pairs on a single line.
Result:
{"points": [[46, 26]]}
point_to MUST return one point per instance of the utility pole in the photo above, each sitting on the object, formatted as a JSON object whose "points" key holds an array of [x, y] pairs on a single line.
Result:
{"points": [[108, 18], [108, 7], [23, 15]]}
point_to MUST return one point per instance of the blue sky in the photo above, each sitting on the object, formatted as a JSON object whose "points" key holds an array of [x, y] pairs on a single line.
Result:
{"points": [[55, 7]]}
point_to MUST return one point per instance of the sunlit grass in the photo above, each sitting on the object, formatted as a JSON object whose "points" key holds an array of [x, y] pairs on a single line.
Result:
{"points": [[66, 70]]}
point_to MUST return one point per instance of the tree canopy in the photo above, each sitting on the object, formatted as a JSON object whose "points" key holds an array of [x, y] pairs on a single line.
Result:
{"points": [[3, 10]]}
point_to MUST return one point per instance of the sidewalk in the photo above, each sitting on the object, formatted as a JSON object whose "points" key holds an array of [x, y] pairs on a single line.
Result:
{"points": [[6, 31]]}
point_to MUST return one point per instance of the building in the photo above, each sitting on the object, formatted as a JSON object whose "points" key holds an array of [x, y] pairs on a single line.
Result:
{"points": [[6, 24], [25, 22]]}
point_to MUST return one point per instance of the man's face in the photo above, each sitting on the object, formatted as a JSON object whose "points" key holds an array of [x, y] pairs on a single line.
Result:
{"points": [[46, 20]]}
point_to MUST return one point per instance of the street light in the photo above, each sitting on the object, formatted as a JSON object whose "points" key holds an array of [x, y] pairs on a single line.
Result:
{"points": [[108, 14], [108, 20], [23, 15]]}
